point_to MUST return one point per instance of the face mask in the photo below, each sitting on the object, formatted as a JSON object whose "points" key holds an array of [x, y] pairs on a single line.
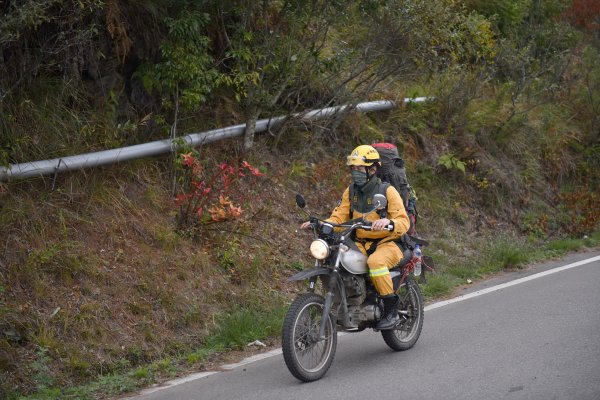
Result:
{"points": [[359, 177]]}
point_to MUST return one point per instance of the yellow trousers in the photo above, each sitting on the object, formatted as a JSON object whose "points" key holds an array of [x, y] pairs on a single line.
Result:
{"points": [[386, 256]]}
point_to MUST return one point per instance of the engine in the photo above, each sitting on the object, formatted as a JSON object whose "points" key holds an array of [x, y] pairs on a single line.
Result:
{"points": [[360, 300], [356, 290], [360, 308], [363, 313]]}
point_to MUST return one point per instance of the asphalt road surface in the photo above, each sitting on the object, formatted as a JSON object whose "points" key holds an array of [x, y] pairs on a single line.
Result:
{"points": [[538, 339]]}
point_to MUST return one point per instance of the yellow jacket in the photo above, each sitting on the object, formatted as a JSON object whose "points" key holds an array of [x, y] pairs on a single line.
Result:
{"points": [[395, 213]]}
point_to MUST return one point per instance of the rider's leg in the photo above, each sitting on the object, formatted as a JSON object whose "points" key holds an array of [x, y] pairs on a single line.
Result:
{"points": [[386, 256]]}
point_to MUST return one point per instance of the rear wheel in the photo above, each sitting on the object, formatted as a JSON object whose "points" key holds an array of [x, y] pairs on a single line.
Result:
{"points": [[307, 357], [407, 332]]}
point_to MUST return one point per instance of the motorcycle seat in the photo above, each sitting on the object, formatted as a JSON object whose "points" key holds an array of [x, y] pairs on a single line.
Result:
{"points": [[408, 255]]}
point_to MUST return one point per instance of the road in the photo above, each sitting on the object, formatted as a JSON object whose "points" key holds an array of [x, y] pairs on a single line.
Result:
{"points": [[539, 339]]}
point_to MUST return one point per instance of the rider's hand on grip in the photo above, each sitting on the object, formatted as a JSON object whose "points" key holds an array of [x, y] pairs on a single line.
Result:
{"points": [[389, 227], [382, 224], [314, 222], [305, 225]]}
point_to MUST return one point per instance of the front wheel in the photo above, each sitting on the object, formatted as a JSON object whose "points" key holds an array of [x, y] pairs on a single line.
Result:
{"points": [[307, 357], [407, 332]]}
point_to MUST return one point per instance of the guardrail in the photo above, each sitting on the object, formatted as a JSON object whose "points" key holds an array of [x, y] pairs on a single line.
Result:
{"points": [[105, 157]]}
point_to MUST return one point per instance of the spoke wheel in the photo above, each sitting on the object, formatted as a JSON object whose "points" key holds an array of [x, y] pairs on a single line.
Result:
{"points": [[307, 357], [407, 332]]}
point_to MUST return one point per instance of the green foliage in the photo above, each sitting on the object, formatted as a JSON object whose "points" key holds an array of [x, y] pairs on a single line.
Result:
{"points": [[199, 356], [507, 14], [44, 103], [77, 365], [449, 161], [141, 373], [233, 331], [478, 39], [508, 255], [55, 259], [17, 19], [114, 384], [299, 170], [588, 99], [236, 330], [298, 266], [479, 259], [593, 239], [565, 245], [41, 370], [408, 41], [438, 285], [272, 48], [185, 74], [516, 111], [43, 43]]}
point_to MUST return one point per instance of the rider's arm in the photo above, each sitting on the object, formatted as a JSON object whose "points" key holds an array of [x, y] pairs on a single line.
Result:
{"points": [[396, 212], [341, 213]]}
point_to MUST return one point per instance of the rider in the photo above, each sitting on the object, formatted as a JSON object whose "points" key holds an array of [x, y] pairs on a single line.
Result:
{"points": [[383, 253]]}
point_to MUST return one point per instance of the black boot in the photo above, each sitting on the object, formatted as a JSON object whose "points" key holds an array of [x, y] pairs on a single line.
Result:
{"points": [[390, 310]]}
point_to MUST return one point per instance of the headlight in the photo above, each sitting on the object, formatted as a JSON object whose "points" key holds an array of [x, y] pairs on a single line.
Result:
{"points": [[319, 249]]}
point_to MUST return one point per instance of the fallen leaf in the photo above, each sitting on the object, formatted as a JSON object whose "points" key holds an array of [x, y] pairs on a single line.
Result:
{"points": [[257, 343]]}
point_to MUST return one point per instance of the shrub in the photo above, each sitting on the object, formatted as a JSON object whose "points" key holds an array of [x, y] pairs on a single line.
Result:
{"points": [[206, 191]]}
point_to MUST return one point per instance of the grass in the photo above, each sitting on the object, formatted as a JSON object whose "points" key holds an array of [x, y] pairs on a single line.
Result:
{"points": [[566, 245], [439, 285], [236, 330], [106, 248], [232, 332], [499, 255], [507, 255]]}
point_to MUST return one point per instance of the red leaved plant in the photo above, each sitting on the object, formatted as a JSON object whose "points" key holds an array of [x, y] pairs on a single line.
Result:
{"points": [[206, 197]]}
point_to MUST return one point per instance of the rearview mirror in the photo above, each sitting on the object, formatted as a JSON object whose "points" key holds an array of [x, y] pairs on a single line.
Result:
{"points": [[300, 201], [379, 201]]}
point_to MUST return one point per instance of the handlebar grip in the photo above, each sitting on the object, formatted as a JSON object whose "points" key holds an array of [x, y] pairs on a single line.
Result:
{"points": [[389, 227]]}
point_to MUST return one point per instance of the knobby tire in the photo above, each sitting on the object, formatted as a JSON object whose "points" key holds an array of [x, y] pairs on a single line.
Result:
{"points": [[300, 345], [406, 334]]}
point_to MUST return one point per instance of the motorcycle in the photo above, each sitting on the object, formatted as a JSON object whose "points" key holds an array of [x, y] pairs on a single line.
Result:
{"points": [[350, 302]]}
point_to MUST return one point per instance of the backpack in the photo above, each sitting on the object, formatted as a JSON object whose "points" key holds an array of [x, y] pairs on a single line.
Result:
{"points": [[392, 171]]}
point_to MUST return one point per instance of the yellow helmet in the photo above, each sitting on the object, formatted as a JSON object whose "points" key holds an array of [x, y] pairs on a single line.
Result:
{"points": [[363, 155]]}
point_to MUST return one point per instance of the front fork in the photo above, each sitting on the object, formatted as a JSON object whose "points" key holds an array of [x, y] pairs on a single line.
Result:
{"points": [[333, 282]]}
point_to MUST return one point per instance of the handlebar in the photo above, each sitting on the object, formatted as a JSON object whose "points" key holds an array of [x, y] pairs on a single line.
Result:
{"points": [[389, 228], [356, 225]]}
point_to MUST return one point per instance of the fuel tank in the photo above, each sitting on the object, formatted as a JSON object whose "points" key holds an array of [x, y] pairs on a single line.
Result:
{"points": [[354, 261]]}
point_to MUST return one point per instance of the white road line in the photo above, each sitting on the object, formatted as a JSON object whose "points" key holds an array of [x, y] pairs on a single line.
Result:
{"points": [[278, 351], [252, 359], [174, 382], [511, 283]]}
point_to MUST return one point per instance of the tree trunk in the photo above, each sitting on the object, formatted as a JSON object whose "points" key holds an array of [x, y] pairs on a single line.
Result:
{"points": [[250, 130]]}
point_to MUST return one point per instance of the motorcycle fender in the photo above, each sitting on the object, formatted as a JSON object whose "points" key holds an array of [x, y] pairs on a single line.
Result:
{"points": [[309, 273]]}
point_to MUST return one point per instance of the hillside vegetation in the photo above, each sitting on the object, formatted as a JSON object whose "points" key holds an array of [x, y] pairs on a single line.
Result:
{"points": [[115, 278]]}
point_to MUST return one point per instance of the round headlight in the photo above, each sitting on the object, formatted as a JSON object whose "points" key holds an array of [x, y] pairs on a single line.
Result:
{"points": [[319, 249]]}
